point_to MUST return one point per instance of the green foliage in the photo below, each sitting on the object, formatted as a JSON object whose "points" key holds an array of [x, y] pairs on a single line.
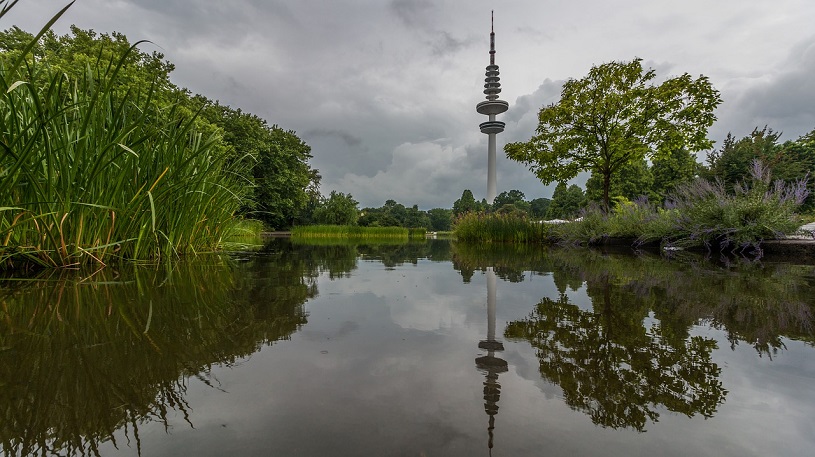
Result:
{"points": [[393, 214], [632, 181], [338, 209], [538, 207], [282, 180], [732, 162], [565, 202], [640, 222], [700, 214], [510, 197], [465, 204], [790, 161], [500, 228], [670, 170], [441, 220], [85, 51], [417, 232], [615, 116]]}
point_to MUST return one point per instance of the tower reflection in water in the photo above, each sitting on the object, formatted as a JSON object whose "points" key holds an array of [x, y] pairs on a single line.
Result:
{"points": [[489, 364]]}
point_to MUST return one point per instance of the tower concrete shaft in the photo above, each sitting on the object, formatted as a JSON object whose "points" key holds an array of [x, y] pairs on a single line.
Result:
{"points": [[492, 107]]}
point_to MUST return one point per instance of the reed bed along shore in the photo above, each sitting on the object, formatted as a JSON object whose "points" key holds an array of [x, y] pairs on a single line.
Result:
{"points": [[356, 232], [89, 174], [502, 228]]}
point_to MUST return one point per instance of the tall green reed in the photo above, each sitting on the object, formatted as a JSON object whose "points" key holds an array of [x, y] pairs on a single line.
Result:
{"points": [[88, 173], [500, 228]]}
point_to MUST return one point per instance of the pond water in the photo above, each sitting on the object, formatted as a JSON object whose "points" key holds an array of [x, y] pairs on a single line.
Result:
{"points": [[424, 349]]}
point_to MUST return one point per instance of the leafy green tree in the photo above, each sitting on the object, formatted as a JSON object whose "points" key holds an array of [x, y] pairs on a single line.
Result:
{"points": [[394, 213], [514, 199], [670, 170], [632, 181], [614, 116], [539, 206], [465, 204], [508, 197], [441, 220], [416, 218], [83, 51], [283, 181], [800, 156], [789, 162], [337, 209], [566, 201], [731, 164]]}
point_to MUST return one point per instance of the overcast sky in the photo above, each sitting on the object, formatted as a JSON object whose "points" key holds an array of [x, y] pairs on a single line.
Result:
{"points": [[384, 91]]}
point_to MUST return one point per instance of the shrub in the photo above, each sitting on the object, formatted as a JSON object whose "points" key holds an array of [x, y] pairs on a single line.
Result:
{"points": [[757, 210]]}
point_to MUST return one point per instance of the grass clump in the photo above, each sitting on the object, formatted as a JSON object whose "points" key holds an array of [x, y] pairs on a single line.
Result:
{"points": [[500, 228], [419, 233]]}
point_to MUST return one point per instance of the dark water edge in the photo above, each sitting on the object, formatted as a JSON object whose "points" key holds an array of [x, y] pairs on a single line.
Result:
{"points": [[426, 348]]}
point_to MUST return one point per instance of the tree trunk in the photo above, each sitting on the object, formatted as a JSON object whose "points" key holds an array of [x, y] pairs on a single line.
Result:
{"points": [[606, 186]]}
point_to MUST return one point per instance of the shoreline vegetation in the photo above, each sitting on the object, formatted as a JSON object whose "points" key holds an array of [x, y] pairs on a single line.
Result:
{"points": [[355, 232], [699, 214]]}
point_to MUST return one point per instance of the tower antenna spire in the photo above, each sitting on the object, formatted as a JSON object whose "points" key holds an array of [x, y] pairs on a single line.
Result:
{"points": [[492, 38]]}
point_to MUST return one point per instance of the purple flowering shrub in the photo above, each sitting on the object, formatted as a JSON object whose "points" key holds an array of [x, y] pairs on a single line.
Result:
{"points": [[758, 209]]}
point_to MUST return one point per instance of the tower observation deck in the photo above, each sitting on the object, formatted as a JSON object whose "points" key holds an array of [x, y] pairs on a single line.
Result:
{"points": [[491, 107]]}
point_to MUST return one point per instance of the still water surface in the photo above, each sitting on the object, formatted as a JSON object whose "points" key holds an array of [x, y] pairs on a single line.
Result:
{"points": [[428, 349]]}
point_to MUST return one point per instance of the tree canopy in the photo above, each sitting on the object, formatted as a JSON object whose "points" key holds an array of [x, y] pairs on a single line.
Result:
{"points": [[465, 204], [632, 181], [337, 209], [565, 202], [616, 115]]}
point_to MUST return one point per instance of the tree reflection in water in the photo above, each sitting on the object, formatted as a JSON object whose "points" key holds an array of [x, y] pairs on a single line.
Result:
{"points": [[621, 371], [614, 369]]}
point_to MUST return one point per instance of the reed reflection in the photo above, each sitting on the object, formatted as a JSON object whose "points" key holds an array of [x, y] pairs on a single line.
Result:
{"points": [[83, 357]]}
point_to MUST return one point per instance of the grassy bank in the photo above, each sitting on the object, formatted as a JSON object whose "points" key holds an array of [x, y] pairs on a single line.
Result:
{"points": [[356, 232], [89, 174]]}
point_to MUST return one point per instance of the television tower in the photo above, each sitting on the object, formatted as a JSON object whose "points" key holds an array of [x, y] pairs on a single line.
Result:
{"points": [[491, 107]]}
